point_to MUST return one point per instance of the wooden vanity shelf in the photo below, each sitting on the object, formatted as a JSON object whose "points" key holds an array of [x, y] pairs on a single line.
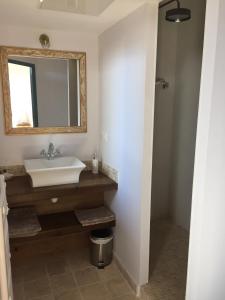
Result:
{"points": [[58, 219], [60, 224]]}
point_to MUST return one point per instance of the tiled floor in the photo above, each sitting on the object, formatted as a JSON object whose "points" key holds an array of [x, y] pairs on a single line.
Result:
{"points": [[70, 276], [67, 277], [168, 263]]}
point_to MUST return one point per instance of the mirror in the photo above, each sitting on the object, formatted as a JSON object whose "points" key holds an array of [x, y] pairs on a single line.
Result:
{"points": [[44, 91]]}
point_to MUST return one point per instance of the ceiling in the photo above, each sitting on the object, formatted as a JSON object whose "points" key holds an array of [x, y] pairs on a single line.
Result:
{"points": [[85, 7], [55, 16]]}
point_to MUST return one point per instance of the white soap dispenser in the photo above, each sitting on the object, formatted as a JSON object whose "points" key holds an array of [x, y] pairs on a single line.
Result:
{"points": [[94, 164]]}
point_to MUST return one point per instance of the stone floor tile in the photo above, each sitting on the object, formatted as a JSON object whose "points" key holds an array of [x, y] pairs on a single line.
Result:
{"points": [[117, 287], [87, 276], [168, 262], [128, 297], [109, 272], [36, 288], [61, 283], [56, 267], [49, 297], [69, 295], [79, 260], [95, 292], [33, 272], [18, 291], [17, 274]]}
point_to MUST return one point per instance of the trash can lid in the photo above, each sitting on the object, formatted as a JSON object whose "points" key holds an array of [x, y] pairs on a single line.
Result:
{"points": [[101, 233]]}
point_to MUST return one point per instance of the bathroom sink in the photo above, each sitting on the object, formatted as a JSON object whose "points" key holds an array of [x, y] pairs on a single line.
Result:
{"points": [[60, 170]]}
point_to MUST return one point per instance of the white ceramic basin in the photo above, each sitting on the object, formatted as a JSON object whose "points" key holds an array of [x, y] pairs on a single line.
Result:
{"points": [[60, 170]]}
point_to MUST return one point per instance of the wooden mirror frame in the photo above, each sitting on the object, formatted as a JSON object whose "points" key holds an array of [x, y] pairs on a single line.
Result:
{"points": [[5, 52]]}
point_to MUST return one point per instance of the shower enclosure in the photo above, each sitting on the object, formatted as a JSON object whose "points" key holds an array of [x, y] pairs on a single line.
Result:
{"points": [[179, 60]]}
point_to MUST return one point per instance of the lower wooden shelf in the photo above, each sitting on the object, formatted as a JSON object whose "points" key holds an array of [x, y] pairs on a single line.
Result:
{"points": [[60, 224]]}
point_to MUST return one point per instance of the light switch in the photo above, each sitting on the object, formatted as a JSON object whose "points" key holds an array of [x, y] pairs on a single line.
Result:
{"points": [[105, 137]]}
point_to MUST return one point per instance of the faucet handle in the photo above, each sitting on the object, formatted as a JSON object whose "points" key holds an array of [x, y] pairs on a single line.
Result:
{"points": [[57, 152], [43, 152], [51, 146]]}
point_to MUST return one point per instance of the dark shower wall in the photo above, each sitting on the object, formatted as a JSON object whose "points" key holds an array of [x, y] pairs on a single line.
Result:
{"points": [[179, 62], [163, 124], [188, 75]]}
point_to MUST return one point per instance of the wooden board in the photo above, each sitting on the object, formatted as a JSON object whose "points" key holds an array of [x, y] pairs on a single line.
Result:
{"points": [[19, 188], [45, 205]]}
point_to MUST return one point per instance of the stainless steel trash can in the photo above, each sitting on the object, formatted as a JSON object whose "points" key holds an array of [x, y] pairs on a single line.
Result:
{"points": [[101, 247]]}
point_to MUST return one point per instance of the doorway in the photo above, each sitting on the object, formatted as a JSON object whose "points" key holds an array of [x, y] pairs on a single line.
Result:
{"points": [[179, 60]]}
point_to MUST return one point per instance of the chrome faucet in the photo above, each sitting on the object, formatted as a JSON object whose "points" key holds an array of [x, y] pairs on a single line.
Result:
{"points": [[51, 153]]}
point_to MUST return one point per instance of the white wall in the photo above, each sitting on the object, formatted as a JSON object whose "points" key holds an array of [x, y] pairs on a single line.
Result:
{"points": [[52, 92], [127, 80], [206, 271], [13, 149]]}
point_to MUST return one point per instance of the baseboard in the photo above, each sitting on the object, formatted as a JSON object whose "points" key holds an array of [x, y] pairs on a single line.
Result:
{"points": [[136, 288]]}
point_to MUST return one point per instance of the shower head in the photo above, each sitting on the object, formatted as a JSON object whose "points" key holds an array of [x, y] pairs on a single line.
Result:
{"points": [[177, 14]]}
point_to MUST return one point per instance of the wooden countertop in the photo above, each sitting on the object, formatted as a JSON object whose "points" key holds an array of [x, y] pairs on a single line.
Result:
{"points": [[20, 186]]}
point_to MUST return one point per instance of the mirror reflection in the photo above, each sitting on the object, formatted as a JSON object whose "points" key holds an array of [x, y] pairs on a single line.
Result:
{"points": [[44, 92]]}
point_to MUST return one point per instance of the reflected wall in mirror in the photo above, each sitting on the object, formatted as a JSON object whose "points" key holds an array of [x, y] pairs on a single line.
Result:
{"points": [[44, 91]]}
